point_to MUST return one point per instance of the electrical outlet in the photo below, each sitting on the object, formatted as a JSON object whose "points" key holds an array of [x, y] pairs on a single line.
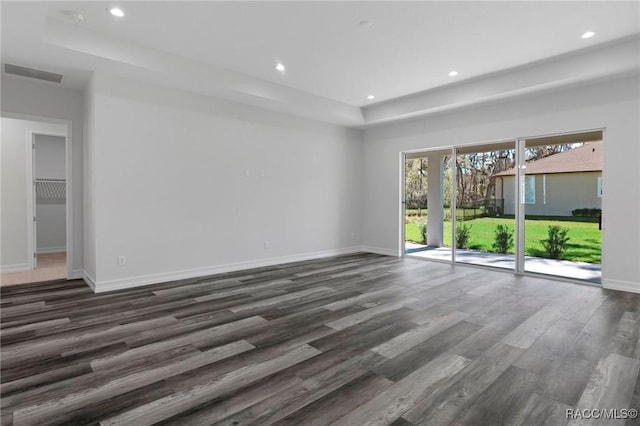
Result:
{"points": [[122, 260], [267, 245], [353, 235]]}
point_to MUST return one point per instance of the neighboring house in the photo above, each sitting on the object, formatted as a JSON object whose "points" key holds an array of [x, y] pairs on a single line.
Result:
{"points": [[557, 184]]}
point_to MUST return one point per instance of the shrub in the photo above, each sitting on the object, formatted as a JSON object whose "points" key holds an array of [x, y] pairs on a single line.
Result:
{"points": [[503, 239], [423, 233], [556, 241], [586, 212], [463, 233]]}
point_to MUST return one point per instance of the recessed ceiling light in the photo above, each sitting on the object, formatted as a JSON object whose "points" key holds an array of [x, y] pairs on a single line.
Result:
{"points": [[588, 34], [371, 97], [280, 67], [453, 73], [116, 11]]}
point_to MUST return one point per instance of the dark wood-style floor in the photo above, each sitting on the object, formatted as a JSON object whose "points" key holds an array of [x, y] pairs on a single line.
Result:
{"points": [[352, 340]]}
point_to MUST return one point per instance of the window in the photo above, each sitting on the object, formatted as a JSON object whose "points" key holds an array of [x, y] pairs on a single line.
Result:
{"points": [[600, 187], [529, 189]]}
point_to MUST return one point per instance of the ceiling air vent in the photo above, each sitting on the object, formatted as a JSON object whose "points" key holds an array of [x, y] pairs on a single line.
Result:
{"points": [[33, 73]]}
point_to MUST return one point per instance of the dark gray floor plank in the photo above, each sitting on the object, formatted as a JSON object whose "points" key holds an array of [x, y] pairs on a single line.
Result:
{"points": [[550, 346], [401, 366], [352, 339], [167, 407], [610, 387], [564, 378], [339, 402], [502, 402], [389, 405], [541, 411], [486, 337], [626, 341], [281, 405], [442, 407], [216, 410], [635, 404], [529, 331]]}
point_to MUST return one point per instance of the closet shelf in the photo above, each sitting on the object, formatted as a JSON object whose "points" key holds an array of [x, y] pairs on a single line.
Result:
{"points": [[51, 190]]}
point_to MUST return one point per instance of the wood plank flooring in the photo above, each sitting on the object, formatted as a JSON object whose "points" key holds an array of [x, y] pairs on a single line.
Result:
{"points": [[351, 340]]}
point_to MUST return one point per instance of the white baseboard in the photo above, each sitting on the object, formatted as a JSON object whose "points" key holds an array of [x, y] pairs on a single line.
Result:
{"points": [[18, 267], [629, 286], [379, 250], [51, 250], [124, 283], [91, 282]]}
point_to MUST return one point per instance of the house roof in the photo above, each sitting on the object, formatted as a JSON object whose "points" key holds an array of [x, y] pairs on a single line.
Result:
{"points": [[587, 158]]}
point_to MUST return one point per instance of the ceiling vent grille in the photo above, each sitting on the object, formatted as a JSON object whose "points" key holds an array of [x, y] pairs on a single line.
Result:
{"points": [[33, 73]]}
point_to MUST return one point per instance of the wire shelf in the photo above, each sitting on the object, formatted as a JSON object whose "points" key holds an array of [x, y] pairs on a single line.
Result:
{"points": [[51, 190]]}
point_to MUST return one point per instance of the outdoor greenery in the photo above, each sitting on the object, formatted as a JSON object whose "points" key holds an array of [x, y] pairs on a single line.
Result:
{"points": [[586, 212], [481, 224], [584, 246], [423, 233], [461, 212], [415, 212], [556, 241], [503, 240], [463, 232]]}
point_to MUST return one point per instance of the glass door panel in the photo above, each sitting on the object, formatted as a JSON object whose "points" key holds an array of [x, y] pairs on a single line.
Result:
{"points": [[562, 201], [485, 205], [427, 206]]}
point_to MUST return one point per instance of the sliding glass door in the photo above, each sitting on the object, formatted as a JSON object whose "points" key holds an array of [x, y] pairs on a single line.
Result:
{"points": [[529, 205], [427, 202]]}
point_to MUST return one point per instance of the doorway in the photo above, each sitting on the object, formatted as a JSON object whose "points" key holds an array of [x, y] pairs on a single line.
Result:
{"points": [[49, 174], [561, 205], [484, 233], [427, 204], [35, 201]]}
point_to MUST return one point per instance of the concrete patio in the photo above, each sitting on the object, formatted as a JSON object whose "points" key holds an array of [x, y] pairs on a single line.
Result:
{"points": [[563, 268]]}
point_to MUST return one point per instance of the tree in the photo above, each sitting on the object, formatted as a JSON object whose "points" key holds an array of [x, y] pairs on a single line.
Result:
{"points": [[416, 185], [476, 174], [538, 152]]}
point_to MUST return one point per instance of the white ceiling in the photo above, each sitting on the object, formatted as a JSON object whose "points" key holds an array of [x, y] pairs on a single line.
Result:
{"points": [[409, 47]]}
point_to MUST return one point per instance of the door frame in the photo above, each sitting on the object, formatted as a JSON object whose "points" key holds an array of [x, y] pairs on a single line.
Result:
{"points": [[403, 204], [32, 216], [68, 175], [519, 207], [403, 183]]}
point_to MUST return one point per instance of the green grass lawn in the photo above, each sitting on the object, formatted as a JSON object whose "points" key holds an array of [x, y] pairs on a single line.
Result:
{"points": [[584, 237]]}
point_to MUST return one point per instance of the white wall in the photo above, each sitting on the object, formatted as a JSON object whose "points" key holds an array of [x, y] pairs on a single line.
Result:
{"points": [[88, 231], [613, 105], [187, 185], [50, 163], [15, 145], [23, 97]]}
